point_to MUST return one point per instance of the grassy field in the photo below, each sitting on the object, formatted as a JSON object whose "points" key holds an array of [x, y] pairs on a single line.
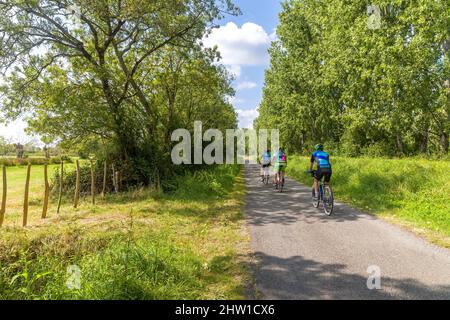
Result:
{"points": [[138, 245], [411, 192]]}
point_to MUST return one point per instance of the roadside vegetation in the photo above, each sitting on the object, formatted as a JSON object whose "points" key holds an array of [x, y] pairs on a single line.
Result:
{"points": [[143, 244], [412, 191]]}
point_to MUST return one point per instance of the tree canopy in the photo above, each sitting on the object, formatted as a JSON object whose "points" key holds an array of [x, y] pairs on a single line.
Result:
{"points": [[362, 90]]}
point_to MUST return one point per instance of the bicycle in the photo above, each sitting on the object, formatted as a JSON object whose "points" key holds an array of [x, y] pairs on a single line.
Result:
{"points": [[266, 175], [325, 196], [279, 186]]}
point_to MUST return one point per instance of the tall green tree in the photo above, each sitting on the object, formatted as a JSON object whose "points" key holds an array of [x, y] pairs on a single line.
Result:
{"points": [[110, 70], [362, 89]]}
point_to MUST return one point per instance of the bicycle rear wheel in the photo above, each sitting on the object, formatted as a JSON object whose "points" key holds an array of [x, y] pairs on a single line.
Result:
{"points": [[280, 181], [328, 200]]}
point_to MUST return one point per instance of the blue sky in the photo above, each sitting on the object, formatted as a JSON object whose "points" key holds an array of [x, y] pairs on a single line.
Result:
{"points": [[243, 42], [255, 30]]}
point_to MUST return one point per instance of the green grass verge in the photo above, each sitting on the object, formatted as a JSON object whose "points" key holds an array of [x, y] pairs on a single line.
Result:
{"points": [[140, 245], [413, 192]]}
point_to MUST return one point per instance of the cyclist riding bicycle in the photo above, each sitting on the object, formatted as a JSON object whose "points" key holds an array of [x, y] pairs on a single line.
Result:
{"points": [[265, 162], [280, 160], [322, 160]]}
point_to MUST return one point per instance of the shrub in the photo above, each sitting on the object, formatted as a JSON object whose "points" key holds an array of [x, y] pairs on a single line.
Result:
{"points": [[377, 149], [69, 180], [215, 182], [9, 162]]}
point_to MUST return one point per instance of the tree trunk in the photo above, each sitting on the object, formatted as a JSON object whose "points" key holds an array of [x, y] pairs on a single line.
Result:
{"points": [[444, 142], [60, 187], [118, 181], [25, 198], [444, 136], [114, 178], [77, 185], [105, 173], [3, 207], [399, 142], [46, 192], [424, 142], [92, 182]]}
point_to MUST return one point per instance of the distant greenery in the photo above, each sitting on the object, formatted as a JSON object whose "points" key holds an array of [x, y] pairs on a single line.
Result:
{"points": [[138, 245], [6, 147], [33, 161], [413, 190], [69, 179], [364, 91]]}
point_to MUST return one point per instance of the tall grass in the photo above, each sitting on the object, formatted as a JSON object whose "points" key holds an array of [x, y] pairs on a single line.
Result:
{"points": [[415, 190], [113, 267], [146, 245]]}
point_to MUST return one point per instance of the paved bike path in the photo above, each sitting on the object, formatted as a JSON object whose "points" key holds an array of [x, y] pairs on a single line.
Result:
{"points": [[303, 254]]}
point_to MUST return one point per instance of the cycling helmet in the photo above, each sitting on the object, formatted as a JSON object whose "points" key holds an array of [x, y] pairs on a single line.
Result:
{"points": [[319, 147]]}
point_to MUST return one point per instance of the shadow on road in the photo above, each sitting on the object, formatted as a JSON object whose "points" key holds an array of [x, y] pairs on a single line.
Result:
{"points": [[300, 253], [293, 205], [315, 280]]}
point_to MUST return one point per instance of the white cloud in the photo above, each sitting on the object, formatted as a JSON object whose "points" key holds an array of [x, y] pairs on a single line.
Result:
{"points": [[246, 85], [246, 117], [235, 70], [234, 100], [241, 46], [15, 131], [273, 36]]}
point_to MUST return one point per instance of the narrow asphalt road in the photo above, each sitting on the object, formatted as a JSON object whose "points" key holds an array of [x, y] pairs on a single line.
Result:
{"points": [[303, 254]]}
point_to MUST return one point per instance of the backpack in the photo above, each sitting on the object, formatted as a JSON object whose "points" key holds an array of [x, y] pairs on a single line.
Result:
{"points": [[282, 157]]}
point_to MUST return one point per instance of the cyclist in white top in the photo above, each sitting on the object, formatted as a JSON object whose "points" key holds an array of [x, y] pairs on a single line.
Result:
{"points": [[265, 162]]}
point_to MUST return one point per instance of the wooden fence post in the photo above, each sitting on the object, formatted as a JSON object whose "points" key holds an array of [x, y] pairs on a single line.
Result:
{"points": [[92, 183], [158, 181], [120, 181], [60, 186], [105, 173], [77, 185], [3, 207], [117, 181], [25, 200], [46, 192], [114, 178]]}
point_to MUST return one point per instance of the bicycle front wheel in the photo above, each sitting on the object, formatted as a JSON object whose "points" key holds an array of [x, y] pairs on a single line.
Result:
{"points": [[328, 200]]}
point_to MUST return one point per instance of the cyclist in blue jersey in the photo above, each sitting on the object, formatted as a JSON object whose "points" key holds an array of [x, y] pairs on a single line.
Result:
{"points": [[265, 162], [280, 160], [322, 160]]}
